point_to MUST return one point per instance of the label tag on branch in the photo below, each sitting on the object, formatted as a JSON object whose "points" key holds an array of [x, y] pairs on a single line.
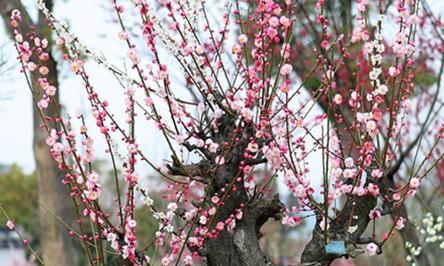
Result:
{"points": [[336, 247]]}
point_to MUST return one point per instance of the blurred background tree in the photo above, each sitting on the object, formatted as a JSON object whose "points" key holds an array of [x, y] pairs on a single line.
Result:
{"points": [[57, 248], [18, 196]]}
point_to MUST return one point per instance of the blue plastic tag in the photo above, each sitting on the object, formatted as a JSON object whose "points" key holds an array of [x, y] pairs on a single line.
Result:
{"points": [[335, 247]]}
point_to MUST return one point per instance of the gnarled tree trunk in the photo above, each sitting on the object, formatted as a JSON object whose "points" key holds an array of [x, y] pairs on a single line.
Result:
{"points": [[241, 246]]}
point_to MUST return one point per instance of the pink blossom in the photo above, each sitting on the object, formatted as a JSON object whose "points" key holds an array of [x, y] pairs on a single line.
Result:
{"points": [[396, 196], [31, 66], [337, 99], [165, 261], [220, 226], [236, 49], [60, 42], [10, 224], [133, 56], [372, 249], [400, 222], [43, 70], [374, 214], [203, 220], [349, 173], [414, 182], [286, 69], [42, 104], [215, 199], [324, 44], [393, 71], [76, 65], [51, 90], [19, 38], [252, 147], [285, 22], [377, 173], [58, 147], [371, 127], [123, 35], [290, 221], [324, 224], [131, 223], [373, 189], [349, 162], [242, 39], [220, 160]]}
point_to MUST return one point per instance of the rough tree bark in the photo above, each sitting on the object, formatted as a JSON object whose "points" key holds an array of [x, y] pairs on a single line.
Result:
{"points": [[55, 242], [241, 247]]}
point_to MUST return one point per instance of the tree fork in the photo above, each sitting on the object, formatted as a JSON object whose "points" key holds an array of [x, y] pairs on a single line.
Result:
{"points": [[240, 247]]}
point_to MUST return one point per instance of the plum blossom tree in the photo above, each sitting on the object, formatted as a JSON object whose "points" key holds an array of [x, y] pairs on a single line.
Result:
{"points": [[374, 68]]}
